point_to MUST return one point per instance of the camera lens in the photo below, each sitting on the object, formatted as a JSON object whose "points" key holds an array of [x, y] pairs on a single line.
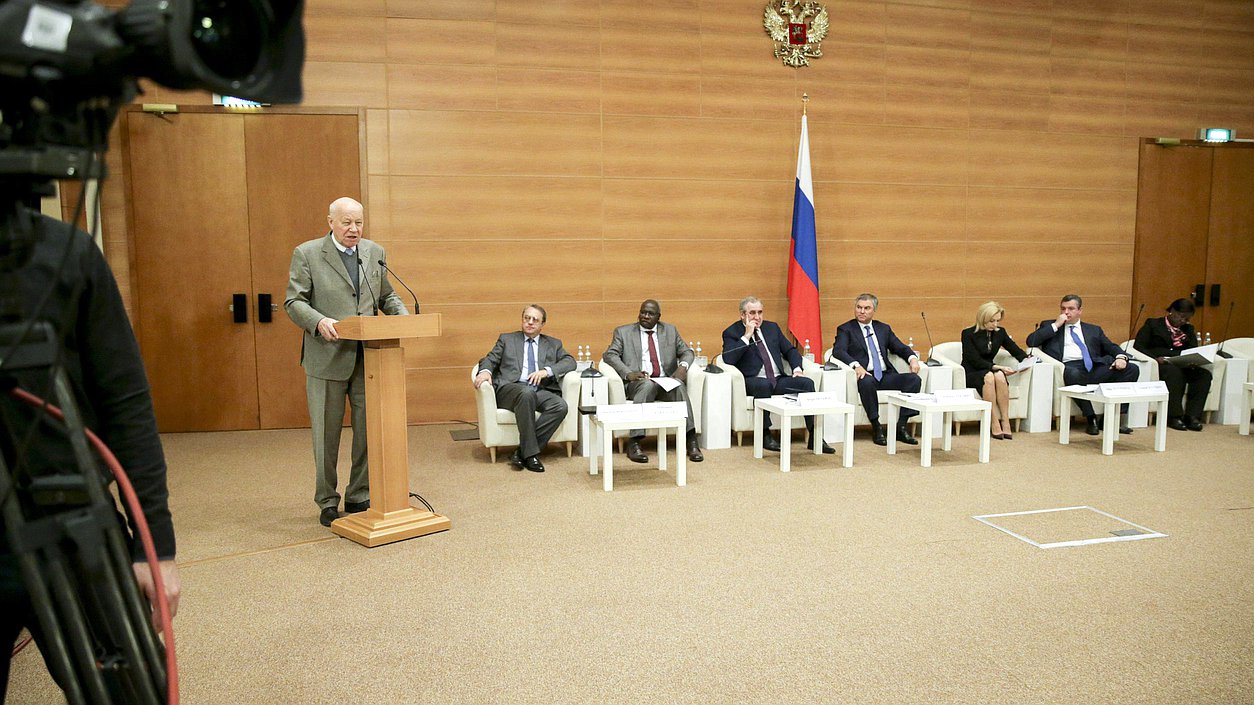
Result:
{"points": [[228, 35]]}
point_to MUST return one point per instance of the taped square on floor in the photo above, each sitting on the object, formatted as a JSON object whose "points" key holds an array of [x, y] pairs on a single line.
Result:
{"points": [[1067, 526]]}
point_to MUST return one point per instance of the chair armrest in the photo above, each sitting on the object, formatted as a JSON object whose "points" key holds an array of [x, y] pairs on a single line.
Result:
{"points": [[570, 388], [614, 384]]}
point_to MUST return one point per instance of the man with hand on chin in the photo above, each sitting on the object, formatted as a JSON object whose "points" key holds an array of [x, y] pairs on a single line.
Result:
{"points": [[758, 348]]}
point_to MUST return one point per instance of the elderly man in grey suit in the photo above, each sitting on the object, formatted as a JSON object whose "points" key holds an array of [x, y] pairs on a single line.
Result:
{"points": [[526, 368], [334, 277], [643, 351]]}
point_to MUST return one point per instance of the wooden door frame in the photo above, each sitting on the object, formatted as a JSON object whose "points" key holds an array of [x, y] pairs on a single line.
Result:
{"points": [[117, 212]]}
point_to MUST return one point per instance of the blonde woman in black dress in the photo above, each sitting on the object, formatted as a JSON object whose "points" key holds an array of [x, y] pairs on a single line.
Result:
{"points": [[980, 344]]}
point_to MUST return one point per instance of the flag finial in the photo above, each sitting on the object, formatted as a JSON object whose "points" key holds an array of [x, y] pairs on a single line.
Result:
{"points": [[805, 98]]}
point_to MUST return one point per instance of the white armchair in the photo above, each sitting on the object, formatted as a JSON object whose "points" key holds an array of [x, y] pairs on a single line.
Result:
{"points": [[499, 427], [1242, 347], [950, 356], [742, 403], [618, 393], [1150, 369], [851, 385]]}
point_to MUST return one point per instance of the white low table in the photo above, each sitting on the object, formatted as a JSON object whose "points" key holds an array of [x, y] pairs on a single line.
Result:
{"points": [[1110, 399], [621, 417], [787, 410], [928, 406], [1245, 404]]}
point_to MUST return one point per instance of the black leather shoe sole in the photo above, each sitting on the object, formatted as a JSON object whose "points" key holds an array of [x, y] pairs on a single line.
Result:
{"points": [[636, 456], [769, 443], [533, 464], [1195, 426], [907, 439], [328, 515], [1092, 429], [1177, 424], [828, 450], [516, 460]]}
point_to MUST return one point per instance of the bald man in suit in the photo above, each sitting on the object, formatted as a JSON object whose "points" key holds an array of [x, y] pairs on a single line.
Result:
{"points": [[641, 351], [334, 277]]}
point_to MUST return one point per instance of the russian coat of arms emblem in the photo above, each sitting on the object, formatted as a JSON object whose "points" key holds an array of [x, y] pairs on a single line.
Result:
{"points": [[797, 27]]}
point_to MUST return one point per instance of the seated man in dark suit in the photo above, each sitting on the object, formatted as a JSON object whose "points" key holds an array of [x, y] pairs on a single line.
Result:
{"points": [[864, 343], [1087, 355], [758, 348], [639, 353], [526, 368]]}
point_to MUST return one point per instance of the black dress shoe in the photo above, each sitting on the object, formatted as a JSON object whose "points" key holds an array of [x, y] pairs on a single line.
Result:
{"points": [[828, 450], [355, 507], [328, 515], [1193, 424], [533, 464], [516, 459], [879, 438], [769, 443], [1177, 423], [1091, 427], [634, 454], [1125, 430], [903, 435], [694, 450]]}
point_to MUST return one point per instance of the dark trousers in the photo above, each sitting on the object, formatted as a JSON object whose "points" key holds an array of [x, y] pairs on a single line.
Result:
{"points": [[1193, 382], [525, 400], [1074, 373], [759, 388], [897, 381], [643, 391]]}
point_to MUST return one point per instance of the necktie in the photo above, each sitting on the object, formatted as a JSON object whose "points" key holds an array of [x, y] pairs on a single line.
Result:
{"points": [[531, 356], [766, 358], [877, 367], [1084, 352], [351, 251], [653, 359]]}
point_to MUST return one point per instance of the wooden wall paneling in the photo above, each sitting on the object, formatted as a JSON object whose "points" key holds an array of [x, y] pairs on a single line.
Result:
{"points": [[1167, 47], [1089, 39], [1225, 44], [346, 8], [927, 27], [378, 205], [495, 207], [748, 98], [1083, 268], [1070, 161], [1154, 118], [377, 142], [461, 271], [345, 37], [1157, 82], [927, 107], [1013, 32], [661, 209], [575, 13], [737, 53], [343, 83], [425, 9], [462, 143], [441, 87], [845, 65], [888, 214], [1008, 216], [1022, 72], [694, 269], [470, 330], [1086, 115], [650, 49], [548, 90], [1008, 110], [631, 93], [559, 45], [439, 394], [1094, 78], [902, 155], [927, 67], [466, 40], [697, 149], [855, 105], [915, 271]]}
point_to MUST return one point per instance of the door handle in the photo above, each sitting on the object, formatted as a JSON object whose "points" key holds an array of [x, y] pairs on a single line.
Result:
{"points": [[1214, 294], [239, 307], [264, 308], [1199, 295]]}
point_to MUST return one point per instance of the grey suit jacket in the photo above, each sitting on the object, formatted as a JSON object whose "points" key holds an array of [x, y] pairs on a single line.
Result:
{"points": [[505, 361], [625, 354], [319, 286]]}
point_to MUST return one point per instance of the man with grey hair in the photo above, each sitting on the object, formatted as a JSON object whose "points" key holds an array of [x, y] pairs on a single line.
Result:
{"points": [[758, 348], [334, 277], [864, 343]]}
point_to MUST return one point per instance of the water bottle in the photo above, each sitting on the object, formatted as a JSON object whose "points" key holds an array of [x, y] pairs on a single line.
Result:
{"points": [[807, 353], [1207, 341], [699, 360]]}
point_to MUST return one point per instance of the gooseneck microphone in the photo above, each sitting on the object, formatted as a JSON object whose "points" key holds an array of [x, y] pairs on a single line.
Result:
{"points": [[391, 271], [1220, 352], [374, 300], [1139, 311], [930, 362]]}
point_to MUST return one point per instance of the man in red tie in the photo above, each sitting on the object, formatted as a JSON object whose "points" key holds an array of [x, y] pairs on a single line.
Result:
{"points": [[640, 353]]}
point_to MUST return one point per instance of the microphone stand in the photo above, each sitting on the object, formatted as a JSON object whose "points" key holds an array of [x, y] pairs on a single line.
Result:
{"points": [[391, 271], [1220, 352], [930, 362], [1134, 323]]}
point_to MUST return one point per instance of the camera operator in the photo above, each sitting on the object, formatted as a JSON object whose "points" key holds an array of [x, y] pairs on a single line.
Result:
{"points": [[66, 281]]}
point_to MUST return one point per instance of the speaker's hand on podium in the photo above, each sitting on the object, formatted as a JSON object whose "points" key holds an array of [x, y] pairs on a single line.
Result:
{"points": [[326, 328]]}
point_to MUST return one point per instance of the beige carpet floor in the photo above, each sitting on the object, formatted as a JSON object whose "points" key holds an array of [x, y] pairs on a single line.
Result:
{"points": [[864, 585]]}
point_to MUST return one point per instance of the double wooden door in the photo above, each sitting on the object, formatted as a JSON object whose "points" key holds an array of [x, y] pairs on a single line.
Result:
{"points": [[1195, 234], [217, 202]]}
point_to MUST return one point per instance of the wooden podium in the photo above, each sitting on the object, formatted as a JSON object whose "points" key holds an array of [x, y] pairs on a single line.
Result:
{"points": [[390, 517]]}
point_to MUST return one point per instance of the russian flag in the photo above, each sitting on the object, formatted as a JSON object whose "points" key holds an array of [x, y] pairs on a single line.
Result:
{"points": [[804, 321]]}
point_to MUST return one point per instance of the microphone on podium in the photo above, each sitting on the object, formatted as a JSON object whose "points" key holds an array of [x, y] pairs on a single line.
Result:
{"points": [[391, 271], [374, 300]]}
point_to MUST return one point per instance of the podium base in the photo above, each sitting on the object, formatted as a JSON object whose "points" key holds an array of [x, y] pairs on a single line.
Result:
{"points": [[374, 528]]}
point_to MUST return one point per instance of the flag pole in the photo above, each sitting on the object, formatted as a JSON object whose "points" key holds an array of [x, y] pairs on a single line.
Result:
{"points": [[805, 98]]}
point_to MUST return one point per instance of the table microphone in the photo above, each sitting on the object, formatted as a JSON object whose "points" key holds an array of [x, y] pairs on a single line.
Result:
{"points": [[1220, 352], [1139, 311], [930, 362], [391, 271], [374, 300]]}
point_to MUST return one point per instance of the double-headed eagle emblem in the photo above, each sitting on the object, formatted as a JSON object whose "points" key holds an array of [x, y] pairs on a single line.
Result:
{"points": [[797, 27]]}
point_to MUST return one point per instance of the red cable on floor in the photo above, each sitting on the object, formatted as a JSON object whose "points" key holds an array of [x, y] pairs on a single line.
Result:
{"points": [[145, 537]]}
